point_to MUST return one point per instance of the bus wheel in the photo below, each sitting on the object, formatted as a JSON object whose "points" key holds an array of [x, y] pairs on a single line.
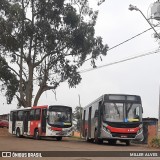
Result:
{"points": [[128, 143], [96, 139], [59, 138], [112, 142], [18, 133], [36, 135], [91, 140]]}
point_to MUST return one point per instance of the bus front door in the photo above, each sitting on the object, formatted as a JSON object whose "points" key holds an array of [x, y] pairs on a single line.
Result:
{"points": [[89, 122], [25, 121], [43, 123], [99, 118], [84, 124], [14, 122]]}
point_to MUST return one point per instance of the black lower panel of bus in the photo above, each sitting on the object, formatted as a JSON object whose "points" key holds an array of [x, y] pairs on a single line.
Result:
{"points": [[124, 135]]}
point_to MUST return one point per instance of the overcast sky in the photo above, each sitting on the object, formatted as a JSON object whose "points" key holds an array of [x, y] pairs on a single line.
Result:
{"points": [[141, 76]]}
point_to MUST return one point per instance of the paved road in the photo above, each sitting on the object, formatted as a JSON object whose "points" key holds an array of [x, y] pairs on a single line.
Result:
{"points": [[11, 143]]}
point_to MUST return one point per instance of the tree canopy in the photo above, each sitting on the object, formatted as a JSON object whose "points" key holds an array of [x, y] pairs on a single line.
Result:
{"points": [[43, 43], [77, 117]]}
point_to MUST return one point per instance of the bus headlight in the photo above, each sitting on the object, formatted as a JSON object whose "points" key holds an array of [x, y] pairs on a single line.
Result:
{"points": [[106, 129], [141, 129]]}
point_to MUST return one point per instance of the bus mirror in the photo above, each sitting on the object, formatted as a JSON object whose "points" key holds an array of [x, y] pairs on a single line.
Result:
{"points": [[96, 113]]}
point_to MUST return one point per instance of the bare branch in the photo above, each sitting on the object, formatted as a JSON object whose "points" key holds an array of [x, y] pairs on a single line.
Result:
{"points": [[14, 71]]}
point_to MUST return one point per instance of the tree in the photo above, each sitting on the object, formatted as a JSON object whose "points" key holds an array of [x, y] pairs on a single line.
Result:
{"points": [[8, 80], [43, 43], [77, 117]]}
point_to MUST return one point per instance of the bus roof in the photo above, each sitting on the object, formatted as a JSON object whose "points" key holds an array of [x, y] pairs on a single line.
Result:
{"points": [[26, 108], [115, 97], [35, 107]]}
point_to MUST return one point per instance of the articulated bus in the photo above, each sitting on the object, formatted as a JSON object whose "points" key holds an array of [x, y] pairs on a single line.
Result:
{"points": [[113, 117], [40, 121]]}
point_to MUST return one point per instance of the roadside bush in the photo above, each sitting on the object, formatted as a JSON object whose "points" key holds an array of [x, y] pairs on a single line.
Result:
{"points": [[155, 143]]}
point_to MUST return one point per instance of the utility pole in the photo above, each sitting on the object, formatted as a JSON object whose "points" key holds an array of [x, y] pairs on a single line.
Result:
{"points": [[79, 98], [131, 8]]}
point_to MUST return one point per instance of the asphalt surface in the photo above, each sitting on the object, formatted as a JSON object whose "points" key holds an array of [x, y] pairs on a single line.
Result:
{"points": [[68, 147]]}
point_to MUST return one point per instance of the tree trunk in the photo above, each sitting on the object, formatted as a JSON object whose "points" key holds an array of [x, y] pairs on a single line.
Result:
{"points": [[21, 99], [29, 89], [42, 89], [39, 93]]}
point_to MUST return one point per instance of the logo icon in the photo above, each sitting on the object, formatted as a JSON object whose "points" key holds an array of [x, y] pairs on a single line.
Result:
{"points": [[6, 154]]}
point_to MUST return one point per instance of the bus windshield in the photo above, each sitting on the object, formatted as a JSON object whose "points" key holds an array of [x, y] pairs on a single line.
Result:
{"points": [[122, 112], [59, 116]]}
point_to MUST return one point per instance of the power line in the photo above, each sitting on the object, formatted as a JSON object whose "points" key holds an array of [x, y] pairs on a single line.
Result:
{"points": [[124, 60], [132, 37], [127, 40]]}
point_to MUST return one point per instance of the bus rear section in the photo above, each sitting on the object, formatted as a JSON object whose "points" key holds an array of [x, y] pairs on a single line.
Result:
{"points": [[42, 121], [113, 117]]}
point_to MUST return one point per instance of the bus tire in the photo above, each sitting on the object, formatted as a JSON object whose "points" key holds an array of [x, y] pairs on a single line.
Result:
{"points": [[128, 143], [18, 133], [96, 139], [112, 142], [36, 134], [58, 138]]}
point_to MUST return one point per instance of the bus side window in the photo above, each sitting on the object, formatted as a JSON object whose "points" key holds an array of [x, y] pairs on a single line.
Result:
{"points": [[31, 114], [37, 114]]}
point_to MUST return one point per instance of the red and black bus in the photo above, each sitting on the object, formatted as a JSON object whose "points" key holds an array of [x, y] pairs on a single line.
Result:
{"points": [[40, 121], [113, 117]]}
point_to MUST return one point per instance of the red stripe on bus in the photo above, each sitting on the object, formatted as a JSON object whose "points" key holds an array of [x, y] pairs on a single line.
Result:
{"points": [[123, 130], [56, 129]]}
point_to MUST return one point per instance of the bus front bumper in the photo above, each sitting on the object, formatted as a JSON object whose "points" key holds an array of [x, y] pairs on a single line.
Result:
{"points": [[105, 134]]}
